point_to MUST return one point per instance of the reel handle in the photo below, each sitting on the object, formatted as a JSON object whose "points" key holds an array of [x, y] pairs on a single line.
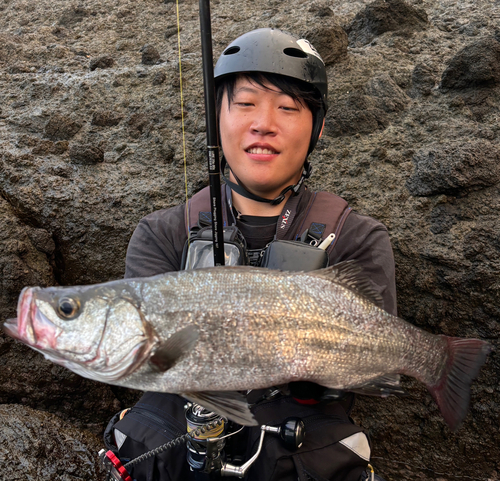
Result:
{"points": [[292, 431]]}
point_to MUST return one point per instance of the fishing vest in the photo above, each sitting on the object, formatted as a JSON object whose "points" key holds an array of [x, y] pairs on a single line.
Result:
{"points": [[326, 214]]}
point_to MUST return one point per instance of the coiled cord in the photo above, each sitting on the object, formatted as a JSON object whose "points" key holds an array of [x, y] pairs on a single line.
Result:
{"points": [[175, 442]]}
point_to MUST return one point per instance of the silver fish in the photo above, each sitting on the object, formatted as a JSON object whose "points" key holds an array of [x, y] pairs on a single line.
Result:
{"points": [[209, 333]]}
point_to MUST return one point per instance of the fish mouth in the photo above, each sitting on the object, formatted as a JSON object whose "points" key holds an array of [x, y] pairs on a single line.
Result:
{"points": [[31, 326], [23, 312], [18, 327], [10, 327]]}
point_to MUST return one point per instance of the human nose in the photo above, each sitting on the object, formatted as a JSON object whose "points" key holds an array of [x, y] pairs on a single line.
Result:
{"points": [[264, 121]]}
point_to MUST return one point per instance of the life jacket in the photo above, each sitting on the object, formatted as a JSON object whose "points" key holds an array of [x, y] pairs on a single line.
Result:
{"points": [[326, 214]]}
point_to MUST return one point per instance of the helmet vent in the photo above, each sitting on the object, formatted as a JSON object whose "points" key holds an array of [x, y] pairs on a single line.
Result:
{"points": [[295, 52], [232, 50]]}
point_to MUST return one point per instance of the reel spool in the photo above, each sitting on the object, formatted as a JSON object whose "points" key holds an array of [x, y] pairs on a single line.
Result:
{"points": [[204, 451]]}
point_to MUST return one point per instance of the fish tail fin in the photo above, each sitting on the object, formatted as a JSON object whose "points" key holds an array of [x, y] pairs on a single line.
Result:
{"points": [[452, 391]]}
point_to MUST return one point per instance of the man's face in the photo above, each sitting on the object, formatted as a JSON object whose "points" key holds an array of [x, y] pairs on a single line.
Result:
{"points": [[265, 136]]}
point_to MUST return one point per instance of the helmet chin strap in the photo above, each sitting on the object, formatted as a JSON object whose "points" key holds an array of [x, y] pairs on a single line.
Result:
{"points": [[239, 189]]}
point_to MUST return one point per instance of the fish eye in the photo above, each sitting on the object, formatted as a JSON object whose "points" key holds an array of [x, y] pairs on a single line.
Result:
{"points": [[68, 308]]}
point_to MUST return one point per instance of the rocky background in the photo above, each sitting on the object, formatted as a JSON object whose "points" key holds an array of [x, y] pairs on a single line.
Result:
{"points": [[91, 141]]}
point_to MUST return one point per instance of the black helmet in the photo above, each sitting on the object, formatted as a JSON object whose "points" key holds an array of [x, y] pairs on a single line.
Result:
{"points": [[273, 51], [269, 50]]}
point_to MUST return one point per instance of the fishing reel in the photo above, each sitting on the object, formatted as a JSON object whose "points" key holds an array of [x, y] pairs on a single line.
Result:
{"points": [[206, 438], [205, 446], [206, 451]]}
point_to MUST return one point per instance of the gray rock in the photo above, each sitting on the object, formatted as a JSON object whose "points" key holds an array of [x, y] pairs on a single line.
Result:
{"points": [[423, 79], [150, 55], [159, 78], [355, 113], [383, 16], [171, 31], [454, 168], [104, 61], [444, 217], [390, 97], [61, 127], [38, 445], [106, 118], [81, 153], [476, 65], [330, 42]]}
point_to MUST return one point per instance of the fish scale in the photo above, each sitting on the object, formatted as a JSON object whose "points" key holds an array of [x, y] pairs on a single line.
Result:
{"points": [[209, 333]]}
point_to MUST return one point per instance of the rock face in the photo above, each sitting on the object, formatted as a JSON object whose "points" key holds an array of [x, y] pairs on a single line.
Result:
{"points": [[454, 168], [38, 445], [476, 65], [91, 141], [385, 16]]}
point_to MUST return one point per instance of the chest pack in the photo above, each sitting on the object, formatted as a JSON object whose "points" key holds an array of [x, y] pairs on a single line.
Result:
{"points": [[303, 240]]}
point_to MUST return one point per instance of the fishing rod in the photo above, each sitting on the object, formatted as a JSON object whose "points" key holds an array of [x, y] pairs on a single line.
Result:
{"points": [[212, 133]]}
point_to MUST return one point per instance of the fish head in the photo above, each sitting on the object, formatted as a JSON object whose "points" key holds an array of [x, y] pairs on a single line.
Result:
{"points": [[96, 331]]}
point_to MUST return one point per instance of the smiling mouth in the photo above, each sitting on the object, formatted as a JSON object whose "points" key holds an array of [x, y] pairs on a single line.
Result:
{"points": [[261, 151]]}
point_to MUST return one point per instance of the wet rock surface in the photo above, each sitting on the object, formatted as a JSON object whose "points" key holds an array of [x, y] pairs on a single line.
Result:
{"points": [[385, 16], [454, 168], [476, 65], [39, 445], [411, 137]]}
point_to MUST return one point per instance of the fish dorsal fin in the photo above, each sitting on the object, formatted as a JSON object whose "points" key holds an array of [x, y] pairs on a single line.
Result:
{"points": [[346, 274], [177, 345]]}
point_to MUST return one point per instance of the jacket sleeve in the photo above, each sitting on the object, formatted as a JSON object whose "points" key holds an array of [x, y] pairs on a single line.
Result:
{"points": [[157, 243], [366, 241]]}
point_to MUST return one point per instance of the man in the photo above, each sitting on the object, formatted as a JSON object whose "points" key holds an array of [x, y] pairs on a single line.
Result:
{"points": [[272, 101]]}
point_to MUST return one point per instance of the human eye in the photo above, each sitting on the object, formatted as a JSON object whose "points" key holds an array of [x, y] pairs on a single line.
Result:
{"points": [[290, 107], [243, 99], [288, 104]]}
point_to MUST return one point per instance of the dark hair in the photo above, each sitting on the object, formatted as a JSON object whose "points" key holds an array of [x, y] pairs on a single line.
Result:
{"points": [[297, 90]]}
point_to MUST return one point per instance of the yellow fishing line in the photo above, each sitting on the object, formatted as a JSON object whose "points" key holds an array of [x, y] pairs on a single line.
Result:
{"points": [[182, 115]]}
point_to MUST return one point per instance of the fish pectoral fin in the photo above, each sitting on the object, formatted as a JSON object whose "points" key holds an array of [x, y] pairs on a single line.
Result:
{"points": [[381, 386], [177, 345], [230, 404]]}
